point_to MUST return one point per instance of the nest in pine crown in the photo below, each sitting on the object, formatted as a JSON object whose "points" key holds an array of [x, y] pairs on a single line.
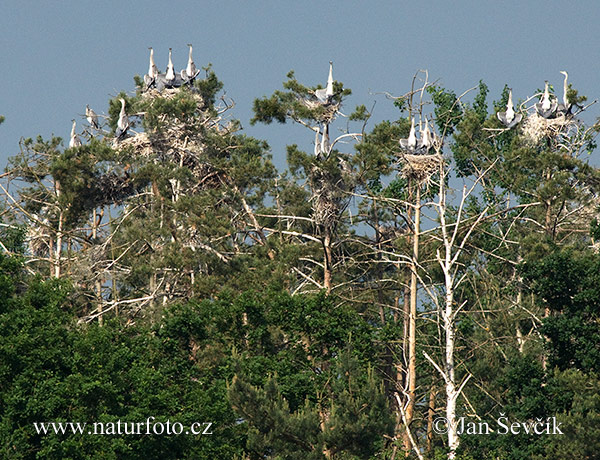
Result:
{"points": [[177, 136], [420, 167], [327, 112], [536, 127], [170, 93]]}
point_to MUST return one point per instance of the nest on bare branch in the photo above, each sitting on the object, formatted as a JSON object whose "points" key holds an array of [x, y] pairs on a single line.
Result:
{"points": [[535, 128], [420, 168]]}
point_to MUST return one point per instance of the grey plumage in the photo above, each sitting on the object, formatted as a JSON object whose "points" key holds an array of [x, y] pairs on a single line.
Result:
{"points": [[122, 123], [426, 142], [190, 72], [325, 95], [509, 118], [74, 141], [150, 78], [170, 75], [566, 105], [410, 144], [547, 106], [92, 117]]}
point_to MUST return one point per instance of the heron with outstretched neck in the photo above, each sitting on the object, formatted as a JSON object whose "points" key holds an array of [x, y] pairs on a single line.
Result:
{"points": [[150, 78], [122, 123], [410, 143], [566, 105], [325, 95], [170, 75], [190, 72], [75, 141], [509, 118], [547, 106]]}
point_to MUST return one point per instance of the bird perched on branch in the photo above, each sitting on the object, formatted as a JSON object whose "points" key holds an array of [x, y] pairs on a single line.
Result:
{"points": [[190, 72], [75, 141], [547, 106], [325, 95], [92, 117], [509, 118], [122, 123]]}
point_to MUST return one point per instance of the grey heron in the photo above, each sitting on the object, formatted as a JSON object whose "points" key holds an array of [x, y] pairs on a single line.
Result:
{"points": [[547, 106], [170, 75], [425, 143], [150, 79], [566, 106], [75, 141], [91, 117], [123, 122], [326, 95], [410, 143], [325, 139], [509, 118], [190, 72]]}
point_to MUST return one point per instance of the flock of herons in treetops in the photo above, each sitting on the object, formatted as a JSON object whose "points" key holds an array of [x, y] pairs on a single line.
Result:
{"points": [[548, 108]]}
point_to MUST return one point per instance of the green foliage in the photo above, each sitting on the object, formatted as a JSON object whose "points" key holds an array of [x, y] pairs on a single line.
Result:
{"points": [[569, 284], [448, 109], [53, 370], [315, 366], [291, 103]]}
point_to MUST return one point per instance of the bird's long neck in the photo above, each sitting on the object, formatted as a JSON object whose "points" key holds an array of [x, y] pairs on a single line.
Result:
{"points": [[425, 135], [122, 114], [546, 99], [190, 65], [73, 130], [565, 90], [510, 112], [151, 70], [412, 138], [330, 80]]}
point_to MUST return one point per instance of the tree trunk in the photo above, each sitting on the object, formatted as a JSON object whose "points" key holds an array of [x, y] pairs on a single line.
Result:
{"points": [[412, 331], [327, 261], [430, 415]]}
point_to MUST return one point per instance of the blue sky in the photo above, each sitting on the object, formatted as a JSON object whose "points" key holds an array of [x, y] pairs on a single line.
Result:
{"points": [[59, 56]]}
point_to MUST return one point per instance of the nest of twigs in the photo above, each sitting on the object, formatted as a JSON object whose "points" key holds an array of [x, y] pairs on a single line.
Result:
{"points": [[535, 128], [420, 168], [326, 112], [170, 93], [38, 240], [114, 188], [329, 197], [178, 142]]}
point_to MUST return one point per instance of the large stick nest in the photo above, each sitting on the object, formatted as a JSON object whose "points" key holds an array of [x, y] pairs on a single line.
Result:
{"points": [[535, 128], [420, 168], [329, 196], [325, 112], [178, 142]]}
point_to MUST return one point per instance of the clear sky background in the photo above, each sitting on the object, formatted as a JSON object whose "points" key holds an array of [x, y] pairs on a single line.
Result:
{"points": [[59, 56]]}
